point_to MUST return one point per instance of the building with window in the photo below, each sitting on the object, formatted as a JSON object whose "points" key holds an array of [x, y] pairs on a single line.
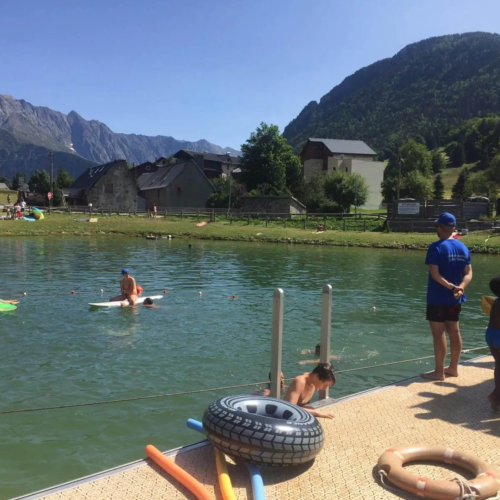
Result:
{"points": [[178, 185], [213, 165], [109, 186], [330, 155]]}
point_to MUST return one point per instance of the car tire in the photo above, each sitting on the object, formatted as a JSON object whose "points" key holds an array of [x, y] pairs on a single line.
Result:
{"points": [[263, 430]]}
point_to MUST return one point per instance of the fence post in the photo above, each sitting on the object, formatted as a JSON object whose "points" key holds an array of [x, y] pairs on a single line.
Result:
{"points": [[267, 220], [364, 225], [284, 224], [276, 343], [326, 330], [304, 221], [182, 214], [213, 215], [165, 213], [248, 221], [344, 223], [324, 221], [231, 219], [197, 215]]}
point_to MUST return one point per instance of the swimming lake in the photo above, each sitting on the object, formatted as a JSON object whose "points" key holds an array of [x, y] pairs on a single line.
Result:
{"points": [[57, 351]]}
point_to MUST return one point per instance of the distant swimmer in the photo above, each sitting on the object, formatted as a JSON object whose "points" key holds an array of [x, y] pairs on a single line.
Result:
{"points": [[13, 302], [303, 387], [149, 303], [267, 390], [317, 352], [128, 288]]}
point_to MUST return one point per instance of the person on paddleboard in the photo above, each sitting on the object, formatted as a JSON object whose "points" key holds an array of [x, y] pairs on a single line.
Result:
{"points": [[13, 302], [128, 288]]}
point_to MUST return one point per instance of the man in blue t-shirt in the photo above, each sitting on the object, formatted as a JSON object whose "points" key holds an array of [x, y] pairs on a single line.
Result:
{"points": [[450, 272]]}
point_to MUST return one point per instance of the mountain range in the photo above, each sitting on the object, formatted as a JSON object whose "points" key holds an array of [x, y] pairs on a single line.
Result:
{"points": [[425, 89], [28, 133]]}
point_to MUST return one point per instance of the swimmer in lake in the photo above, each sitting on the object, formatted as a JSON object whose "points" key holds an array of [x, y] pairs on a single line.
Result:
{"points": [[303, 387], [267, 390], [13, 302], [149, 303], [317, 352]]}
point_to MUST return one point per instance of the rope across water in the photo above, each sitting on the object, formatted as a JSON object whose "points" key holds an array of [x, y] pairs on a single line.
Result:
{"points": [[199, 391]]}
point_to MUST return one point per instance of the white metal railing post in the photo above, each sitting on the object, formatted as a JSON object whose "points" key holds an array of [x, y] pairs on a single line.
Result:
{"points": [[276, 343], [326, 330]]}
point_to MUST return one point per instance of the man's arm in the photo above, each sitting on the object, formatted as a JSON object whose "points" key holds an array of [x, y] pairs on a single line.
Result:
{"points": [[434, 270], [467, 277], [293, 395]]}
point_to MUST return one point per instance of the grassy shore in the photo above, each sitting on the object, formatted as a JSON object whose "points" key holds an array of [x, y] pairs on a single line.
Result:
{"points": [[65, 225]]}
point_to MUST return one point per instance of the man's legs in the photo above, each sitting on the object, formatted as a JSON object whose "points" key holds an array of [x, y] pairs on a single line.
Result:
{"points": [[439, 337], [494, 397], [453, 330]]}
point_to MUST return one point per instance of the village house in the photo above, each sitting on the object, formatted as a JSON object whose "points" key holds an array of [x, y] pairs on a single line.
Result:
{"points": [[112, 186], [177, 185], [213, 165], [271, 205], [329, 155]]}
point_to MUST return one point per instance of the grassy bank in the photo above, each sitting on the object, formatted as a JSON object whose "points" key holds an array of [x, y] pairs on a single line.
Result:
{"points": [[140, 226]]}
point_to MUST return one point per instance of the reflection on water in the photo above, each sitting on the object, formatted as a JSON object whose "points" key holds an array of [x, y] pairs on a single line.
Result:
{"points": [[58, 351]]}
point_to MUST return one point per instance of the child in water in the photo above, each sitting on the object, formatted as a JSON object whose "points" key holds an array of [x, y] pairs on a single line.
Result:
{"points": [[493, 341]]}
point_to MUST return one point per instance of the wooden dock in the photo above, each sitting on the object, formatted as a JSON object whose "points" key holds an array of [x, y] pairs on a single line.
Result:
{"points": [[453, 413]]}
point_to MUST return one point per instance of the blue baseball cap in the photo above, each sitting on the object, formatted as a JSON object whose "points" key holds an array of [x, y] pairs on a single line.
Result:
{"points": [[446, 219], [125, 271]]}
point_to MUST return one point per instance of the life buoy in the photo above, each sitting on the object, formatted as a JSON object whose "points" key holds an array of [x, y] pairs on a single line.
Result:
{"points": [[263, 430], [485, 485]]}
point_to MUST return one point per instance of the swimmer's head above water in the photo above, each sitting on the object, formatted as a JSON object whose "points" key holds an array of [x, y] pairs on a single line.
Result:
{"points": [[148, 302], [325, 374], [317, 349]]}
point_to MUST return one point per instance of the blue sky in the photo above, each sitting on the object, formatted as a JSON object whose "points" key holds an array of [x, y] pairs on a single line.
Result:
{"points": [[211, 69]]}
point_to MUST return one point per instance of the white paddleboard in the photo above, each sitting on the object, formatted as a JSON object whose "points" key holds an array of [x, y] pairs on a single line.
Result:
{"points": [[140, 300]]}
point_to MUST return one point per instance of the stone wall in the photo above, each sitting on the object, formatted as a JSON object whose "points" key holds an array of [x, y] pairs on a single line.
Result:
{"points": [[271, 205], [116, 190]]}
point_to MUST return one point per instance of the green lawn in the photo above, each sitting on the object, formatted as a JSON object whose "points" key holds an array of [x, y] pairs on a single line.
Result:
{"points": [[3, 196], [58, 224]]}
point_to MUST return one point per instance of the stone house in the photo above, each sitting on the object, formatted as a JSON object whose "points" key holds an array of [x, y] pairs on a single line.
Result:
{"points": [[271, 205], [329, 155], [213, 165], [177, 185], [109, 186]]}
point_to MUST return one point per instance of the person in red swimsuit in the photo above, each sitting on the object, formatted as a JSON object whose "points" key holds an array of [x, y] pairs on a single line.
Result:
{"points": [[128, 288]]}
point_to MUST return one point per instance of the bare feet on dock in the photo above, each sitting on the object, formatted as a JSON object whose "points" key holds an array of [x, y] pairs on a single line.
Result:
{"points": [[432, 376], [449, 372]]}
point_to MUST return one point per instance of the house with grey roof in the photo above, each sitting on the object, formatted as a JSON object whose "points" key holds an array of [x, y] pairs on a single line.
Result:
{"points": [[213, 165], [177, 185], [111, 186], [329, 155]]}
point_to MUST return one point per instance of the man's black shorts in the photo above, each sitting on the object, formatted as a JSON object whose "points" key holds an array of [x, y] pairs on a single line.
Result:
{"points": [[440, 314]]}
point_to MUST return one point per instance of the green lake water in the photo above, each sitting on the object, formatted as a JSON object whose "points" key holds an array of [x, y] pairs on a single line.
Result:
{"points": [[55, 350]]}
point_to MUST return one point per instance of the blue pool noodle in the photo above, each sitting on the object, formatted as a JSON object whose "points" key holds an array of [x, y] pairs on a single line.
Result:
{"points": [[256, 478]]}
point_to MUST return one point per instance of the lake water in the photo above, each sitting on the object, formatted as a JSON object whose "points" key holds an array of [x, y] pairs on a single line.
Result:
{"points": [[55, 350]]}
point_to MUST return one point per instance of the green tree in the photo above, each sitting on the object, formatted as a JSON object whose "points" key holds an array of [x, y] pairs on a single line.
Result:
{"points": [[39, 182], [416, 185], [220, 197], [460, 189], [16, 181], [438, 187], [415, 156], [389, 189], [438, 162], [268, 162], [457, 156], [346, 190], [480, 184], [63, 179], [314, 197]]}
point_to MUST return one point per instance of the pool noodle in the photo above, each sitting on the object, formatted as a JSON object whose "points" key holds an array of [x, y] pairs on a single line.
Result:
{"points": [[171, 468], [226, 488], [255, 476]]}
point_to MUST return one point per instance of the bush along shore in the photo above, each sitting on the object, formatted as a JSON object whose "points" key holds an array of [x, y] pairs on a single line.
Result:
{"points": [[123, 225]]}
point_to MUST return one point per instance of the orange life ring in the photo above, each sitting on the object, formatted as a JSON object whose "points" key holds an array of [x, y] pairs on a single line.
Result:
{"points": [[485, 485]]}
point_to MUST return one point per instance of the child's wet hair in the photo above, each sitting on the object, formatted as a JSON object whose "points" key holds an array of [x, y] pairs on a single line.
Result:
{"points": [[148, 302], [325, 372], [495, 285]]}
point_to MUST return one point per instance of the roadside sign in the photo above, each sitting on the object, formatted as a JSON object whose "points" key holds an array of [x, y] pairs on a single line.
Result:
{"points": [[408, 208], [49, 195]]}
